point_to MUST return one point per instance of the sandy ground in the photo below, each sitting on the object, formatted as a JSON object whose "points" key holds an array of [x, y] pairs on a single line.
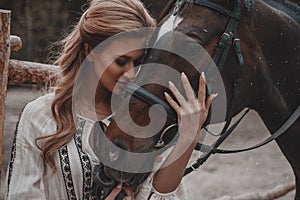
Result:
{"points": [[222, 175]]}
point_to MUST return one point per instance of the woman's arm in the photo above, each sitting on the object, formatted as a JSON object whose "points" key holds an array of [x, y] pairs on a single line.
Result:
{"points": [[192, 113], [26, 167]]}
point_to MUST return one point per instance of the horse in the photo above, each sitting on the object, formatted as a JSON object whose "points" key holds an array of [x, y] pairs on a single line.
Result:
{"points": [[260, 70]]}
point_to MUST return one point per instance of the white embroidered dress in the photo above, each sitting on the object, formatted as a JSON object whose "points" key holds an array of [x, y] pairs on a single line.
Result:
{"points": [[28, 176]]}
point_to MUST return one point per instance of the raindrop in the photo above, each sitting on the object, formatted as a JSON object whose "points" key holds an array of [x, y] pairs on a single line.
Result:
{"points": [[251, 83]]}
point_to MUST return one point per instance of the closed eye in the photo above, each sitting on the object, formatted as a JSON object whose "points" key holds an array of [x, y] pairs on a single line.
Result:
{"points": [[121, 61]]}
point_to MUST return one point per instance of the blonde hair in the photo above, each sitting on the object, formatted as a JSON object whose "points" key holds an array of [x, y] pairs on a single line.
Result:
{"points": [[103, 19]]}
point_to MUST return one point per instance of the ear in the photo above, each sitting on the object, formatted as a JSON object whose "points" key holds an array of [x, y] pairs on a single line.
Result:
{"points": [[88, 52]]}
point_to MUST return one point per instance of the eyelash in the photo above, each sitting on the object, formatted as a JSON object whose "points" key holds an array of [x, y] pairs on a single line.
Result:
{"points": [[120, 62], [137, 62]]}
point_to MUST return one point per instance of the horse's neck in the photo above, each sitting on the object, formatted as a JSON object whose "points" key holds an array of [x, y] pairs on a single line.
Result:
{"points": [[273, 48]]}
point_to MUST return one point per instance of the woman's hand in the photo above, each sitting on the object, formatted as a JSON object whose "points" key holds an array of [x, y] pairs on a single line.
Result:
{"points": [[115, 192], [192, 112]]}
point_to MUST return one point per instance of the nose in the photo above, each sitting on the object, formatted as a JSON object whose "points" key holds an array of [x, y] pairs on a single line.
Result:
{"points": [[130, 73]]}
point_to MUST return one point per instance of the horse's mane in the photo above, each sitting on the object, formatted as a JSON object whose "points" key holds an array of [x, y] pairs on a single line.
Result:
{"points": [[166, 10], [288, 7]]}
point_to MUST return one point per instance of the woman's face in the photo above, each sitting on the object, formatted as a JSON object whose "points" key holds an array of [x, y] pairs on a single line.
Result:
{"points": [[113, 65]]}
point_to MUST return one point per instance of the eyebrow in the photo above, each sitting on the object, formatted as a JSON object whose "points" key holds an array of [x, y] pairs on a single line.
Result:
{"points": [[128, 57], [124, 56]]}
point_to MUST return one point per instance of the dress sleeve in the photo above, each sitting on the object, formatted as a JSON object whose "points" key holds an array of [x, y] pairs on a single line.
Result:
{"points": [[26, 167], [148, 192]]}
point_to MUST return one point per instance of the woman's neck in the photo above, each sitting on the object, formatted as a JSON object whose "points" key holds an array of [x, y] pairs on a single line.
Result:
{"points": [[103, 102]]}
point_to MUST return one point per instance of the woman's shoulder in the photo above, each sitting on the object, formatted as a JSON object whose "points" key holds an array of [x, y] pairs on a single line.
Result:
{"points": [[39, 106], [36, 115]]}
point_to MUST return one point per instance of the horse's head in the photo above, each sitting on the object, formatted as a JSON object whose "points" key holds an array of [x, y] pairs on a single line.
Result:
{"points": [[224, 31], [135, 136], [195, 36]]}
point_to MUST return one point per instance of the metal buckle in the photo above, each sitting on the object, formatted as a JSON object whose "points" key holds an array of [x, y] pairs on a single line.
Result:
{"points": [[226, 39], [193, 168], [160, 143]]}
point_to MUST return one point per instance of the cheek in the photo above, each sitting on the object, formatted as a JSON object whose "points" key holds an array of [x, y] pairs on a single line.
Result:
{"points": [[109, 77]]}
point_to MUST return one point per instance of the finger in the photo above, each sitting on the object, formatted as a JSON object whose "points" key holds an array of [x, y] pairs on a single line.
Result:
{"points": [[209, 100], [202, 89], [177, 94], [188, 88], [114, 193], [172, 103], [128, 192]]}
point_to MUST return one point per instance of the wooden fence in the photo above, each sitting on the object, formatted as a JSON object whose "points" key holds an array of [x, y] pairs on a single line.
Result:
{"points": [[15, 71]]}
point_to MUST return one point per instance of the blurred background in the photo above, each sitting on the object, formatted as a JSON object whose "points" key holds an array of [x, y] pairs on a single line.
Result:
{"points": [[41, 23]]}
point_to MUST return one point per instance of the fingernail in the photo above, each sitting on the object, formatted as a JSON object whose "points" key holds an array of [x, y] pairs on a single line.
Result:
{"points": [[214, 95], [119, 185], [203, 75], [166, 94], [183, 74], [171, 83]]}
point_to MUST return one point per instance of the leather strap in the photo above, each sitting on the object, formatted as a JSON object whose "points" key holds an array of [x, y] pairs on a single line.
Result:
{"points": [[292, 119], [212, 149], [150, 99]]}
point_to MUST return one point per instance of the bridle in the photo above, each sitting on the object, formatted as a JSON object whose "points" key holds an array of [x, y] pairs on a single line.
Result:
{"points": [[228, 40]]}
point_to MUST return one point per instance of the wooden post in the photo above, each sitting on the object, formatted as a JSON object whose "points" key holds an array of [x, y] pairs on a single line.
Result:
{"points": [[15, 43], [4, 59]]}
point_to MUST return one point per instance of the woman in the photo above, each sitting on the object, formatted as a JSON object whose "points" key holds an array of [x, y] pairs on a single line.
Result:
{"points": [[52, 156]]}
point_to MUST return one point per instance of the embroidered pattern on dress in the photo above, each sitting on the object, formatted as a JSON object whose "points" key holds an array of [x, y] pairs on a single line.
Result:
{"points": [[66, 170], [13, 152], [84, 160]]}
